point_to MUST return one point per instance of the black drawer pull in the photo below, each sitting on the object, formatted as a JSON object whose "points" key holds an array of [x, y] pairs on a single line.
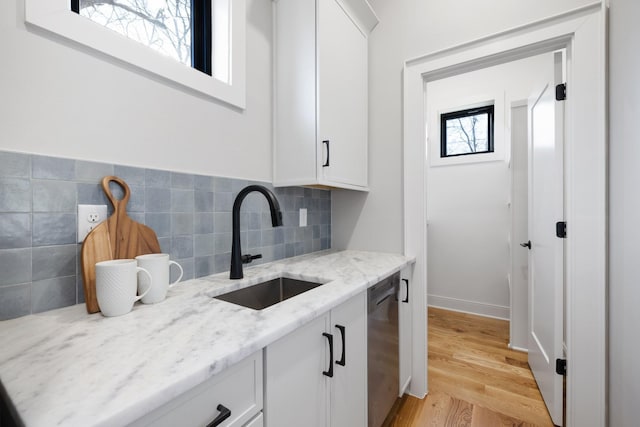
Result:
{"points": [[223, 415], [407, 297], [342, 361], [329, 337], [326, 142]]}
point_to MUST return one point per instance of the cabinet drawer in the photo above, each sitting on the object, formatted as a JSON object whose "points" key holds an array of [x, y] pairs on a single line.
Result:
{"points": [[239, 388]]}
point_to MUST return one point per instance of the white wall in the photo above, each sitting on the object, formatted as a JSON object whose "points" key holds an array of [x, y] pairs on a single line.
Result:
{"points": [[624, 213], [407, 29], [61, 99], [467, 202], [519, 325]]}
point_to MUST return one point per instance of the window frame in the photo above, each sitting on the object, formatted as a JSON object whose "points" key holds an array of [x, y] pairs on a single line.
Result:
{"points": [[485, 109], [57, 17]]}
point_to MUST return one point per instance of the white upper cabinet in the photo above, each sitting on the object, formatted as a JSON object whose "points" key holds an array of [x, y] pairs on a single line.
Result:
{"points": [[321, 98]]}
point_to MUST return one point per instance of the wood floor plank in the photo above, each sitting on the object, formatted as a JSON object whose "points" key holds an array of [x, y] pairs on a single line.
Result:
{"points": [[475, 380]]}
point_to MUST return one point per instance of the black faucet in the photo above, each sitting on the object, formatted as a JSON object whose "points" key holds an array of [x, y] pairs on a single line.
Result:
{"points": [[237, 259]]}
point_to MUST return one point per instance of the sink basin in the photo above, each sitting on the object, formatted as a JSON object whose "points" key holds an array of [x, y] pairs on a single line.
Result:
{"points": [[266, 294]]}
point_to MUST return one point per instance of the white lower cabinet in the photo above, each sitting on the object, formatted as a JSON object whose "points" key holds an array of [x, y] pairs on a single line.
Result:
{"points": [[317, 375], [405, 328], [238, 390]]}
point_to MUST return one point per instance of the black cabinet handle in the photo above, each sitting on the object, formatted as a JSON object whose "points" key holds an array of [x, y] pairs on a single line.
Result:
{"points": [[342, 361], [329, 337], [326, 141], [407, 282], [223, 415]]}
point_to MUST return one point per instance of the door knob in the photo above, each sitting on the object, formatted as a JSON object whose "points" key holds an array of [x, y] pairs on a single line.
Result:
{"points": [[526, 245]]}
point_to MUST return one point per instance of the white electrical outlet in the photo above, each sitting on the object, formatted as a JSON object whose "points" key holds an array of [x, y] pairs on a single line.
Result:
{"points": [[303, 217], [89, 216]]}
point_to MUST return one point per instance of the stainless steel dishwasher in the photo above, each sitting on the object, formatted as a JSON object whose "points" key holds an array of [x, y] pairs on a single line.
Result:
{"points": [[382, 348]]}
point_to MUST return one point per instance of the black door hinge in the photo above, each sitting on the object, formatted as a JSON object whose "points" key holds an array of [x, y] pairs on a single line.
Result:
{"points": [[561, 229], [561, 366], [561, 92]]}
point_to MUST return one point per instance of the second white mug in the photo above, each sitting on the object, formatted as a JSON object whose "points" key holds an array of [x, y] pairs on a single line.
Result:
{"points": [[158, 266]]}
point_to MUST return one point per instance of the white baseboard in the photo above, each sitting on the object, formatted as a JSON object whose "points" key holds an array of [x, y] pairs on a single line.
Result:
{"points": [[471, 307], [516, 348]]}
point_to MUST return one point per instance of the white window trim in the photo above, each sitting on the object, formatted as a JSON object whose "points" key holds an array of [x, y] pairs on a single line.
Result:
{"points": [[56, 16]]}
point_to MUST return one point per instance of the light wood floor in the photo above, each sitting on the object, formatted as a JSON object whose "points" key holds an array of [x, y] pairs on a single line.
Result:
{"points": [[474, 378]]}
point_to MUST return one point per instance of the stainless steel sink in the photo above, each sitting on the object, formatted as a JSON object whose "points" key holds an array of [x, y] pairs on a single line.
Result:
{"points": [[266, 294]]}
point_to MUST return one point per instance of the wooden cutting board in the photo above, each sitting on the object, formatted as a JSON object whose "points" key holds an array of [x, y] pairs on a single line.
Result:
{"points": [[119, 237]]}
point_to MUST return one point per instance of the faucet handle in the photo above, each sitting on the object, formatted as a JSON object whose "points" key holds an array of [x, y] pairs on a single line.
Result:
{"points": [[247, 258]]}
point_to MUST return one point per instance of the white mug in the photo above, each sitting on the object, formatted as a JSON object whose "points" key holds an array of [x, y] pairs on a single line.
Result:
{"points": [[117, 285], [158, 266]]}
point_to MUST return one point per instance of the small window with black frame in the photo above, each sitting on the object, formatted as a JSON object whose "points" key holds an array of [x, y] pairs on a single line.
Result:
{"points": [[466, 132]]}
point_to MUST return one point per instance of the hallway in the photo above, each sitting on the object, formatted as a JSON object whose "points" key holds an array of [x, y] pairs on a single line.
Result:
{"points": [[474, 378]]}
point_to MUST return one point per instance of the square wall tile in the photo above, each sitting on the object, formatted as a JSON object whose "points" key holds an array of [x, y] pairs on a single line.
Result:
{"points": [[131, 175], [203, 245], [53, 293], [15, 265], [44, 167], [222, 262], [204, 266], [181, 224], [203, 201], [54, 196], [182, 180], [157, 178], [222, 222], [54, 229], [15, 195], [181, 247], [92, 194], [158, 200], [92, 171], [15, 230], [15, 301], [204, 183], [203, 223], [222, 202], [15, 165], [54, 261], [159, 222], [182, 200]]}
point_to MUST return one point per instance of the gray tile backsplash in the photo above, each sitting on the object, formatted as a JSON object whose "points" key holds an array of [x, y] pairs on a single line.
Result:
{"points": [[191, 215]]}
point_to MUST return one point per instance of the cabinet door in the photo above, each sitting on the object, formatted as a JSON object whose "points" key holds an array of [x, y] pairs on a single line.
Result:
{"points": [[342, 97], [349, 384], [405, 326], [296, 393]]}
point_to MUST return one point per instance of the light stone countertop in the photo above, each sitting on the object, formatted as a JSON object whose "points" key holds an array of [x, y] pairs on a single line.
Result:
{"points": [[69, 368]]}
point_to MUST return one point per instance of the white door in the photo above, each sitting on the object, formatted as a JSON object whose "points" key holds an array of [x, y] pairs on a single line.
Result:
{"points": [[546, 255]]}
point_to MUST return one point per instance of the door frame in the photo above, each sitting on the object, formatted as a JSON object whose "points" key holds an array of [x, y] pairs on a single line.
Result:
{"points": [[582, 32]]}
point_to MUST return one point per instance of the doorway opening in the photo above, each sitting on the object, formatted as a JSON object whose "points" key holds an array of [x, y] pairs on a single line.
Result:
{"points": [[582, 33], [477, 207]]}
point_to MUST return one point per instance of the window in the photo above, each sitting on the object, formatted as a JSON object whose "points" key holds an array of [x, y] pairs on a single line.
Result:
{"points": [[466, 132], [199, 44], [176, 28]]}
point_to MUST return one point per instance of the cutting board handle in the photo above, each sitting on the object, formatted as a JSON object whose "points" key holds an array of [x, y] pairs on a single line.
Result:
{"points": [[119, 206]]}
